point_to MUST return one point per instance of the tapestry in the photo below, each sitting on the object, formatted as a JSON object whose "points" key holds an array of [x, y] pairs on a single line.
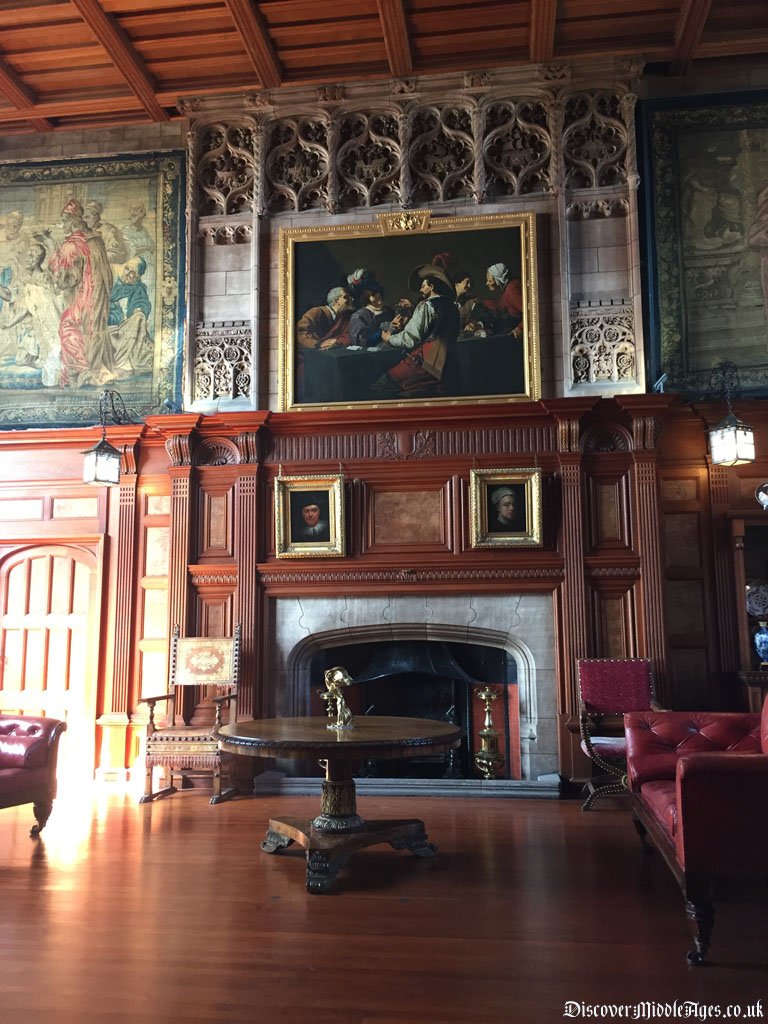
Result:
{"points": [[709, 170], [92, 285]]}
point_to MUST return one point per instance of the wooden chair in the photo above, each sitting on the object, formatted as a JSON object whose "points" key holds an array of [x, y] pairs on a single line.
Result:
{"points": [[188, 751], [609, 687]]}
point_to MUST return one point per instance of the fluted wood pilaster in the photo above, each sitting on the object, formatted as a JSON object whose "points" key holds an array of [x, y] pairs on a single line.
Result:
{"points": [[727, 624], [246, 546], [178, 447], [575, 604], [124, 595], [649, 529]]}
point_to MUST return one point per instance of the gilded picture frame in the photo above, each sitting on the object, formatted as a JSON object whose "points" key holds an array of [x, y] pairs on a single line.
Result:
{"points": [[92, 286], [505, 508], [309, 516], [472, 336]]}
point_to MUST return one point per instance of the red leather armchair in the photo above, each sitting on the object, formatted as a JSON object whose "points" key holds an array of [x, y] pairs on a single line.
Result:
{"points": [[29, 750], [699, 789]]}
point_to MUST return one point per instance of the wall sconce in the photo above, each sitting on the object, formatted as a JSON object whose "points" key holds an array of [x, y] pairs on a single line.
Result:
{"points": [[731, 442], [101, 464]]}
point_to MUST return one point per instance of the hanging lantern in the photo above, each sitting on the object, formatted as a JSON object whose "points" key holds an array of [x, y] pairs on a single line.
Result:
{"points": [[101, 464], [731, 442]]}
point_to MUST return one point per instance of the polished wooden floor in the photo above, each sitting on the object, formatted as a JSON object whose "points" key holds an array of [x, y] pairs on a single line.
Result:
{"points": [[169, 912]]}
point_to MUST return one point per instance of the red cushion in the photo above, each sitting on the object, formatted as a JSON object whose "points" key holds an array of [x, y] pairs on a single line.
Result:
{"points": [[764, 727], [612, 748]]}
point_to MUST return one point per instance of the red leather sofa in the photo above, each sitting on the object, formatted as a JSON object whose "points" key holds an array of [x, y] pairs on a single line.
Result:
{"points": [[699, 789], [29, 750]]}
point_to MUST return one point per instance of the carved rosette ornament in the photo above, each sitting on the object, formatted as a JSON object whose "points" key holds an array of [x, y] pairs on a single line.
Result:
{"points": [[603, 345], [223, 360], [595, 140], [226, 169]]}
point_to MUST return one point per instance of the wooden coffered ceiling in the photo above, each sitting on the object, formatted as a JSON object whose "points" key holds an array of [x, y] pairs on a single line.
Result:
{"points": [[80, 63]]}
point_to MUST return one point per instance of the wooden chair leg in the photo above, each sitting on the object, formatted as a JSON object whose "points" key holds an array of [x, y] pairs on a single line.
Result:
{"points": [[700, 912], [642, 831], [613, 788], [42, 811], [219, 794], [149, 795]]}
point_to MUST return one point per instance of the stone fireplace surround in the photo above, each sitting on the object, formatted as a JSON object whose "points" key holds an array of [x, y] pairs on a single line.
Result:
{"points": [[521, 624]]}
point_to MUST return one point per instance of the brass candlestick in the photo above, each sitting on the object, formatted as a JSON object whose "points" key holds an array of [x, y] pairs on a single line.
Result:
{"points": [[338, 712], [488, 760]]}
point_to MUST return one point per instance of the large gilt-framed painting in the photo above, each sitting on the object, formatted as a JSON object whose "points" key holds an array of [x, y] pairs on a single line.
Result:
{"points": [[409, 308], [707, 164], [92, 287]]}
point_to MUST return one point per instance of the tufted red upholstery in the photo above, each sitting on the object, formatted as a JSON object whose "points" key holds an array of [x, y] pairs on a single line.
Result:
{"points": [[28, 754], [656, 739], [24, 742], [699, 786]]}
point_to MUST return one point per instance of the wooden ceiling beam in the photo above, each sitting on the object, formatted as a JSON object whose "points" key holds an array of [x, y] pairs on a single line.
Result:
{"points": [[688, 32], [17, 93], [125, 58], [392, 15], [258, 44], [541, 41], [73, 108]]}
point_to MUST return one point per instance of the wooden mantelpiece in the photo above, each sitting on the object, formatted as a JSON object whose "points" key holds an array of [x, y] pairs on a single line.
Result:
{"points": [[201, 498]]}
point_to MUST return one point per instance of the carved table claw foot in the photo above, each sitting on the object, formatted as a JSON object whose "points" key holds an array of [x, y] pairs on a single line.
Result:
{"points": [[273, 842]]}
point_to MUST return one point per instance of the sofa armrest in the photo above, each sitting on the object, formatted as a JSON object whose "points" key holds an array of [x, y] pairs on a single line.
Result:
{"points": [[28, 741], [657, 739], [722, 806]]}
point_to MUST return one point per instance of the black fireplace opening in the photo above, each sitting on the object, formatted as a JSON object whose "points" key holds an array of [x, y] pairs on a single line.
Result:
{"points": [[418, 679]]}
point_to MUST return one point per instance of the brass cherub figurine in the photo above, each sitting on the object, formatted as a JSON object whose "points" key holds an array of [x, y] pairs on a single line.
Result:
{"points": [[335, 679]]}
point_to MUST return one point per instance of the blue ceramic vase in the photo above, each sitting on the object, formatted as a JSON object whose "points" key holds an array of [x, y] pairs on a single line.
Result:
{"points": [[760, 641]]}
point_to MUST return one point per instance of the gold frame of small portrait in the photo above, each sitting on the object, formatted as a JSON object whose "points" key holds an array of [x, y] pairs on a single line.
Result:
{"points": [[288, 547], [480, 482]]}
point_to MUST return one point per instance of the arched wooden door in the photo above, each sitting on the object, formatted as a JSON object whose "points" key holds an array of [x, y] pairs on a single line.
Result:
{"points": [[49, 630]]}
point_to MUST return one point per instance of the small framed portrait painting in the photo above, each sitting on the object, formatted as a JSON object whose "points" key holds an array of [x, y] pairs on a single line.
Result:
{"points": [[505, 508], [309, 516]]}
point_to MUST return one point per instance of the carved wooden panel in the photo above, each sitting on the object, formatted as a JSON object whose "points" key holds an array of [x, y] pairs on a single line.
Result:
{"points": [[608, 513], [408, 517], [396, 519], [157, 540], [216, 525], [686, 613], [689, 673], [680, 489], [613, 617], [682, 543]]}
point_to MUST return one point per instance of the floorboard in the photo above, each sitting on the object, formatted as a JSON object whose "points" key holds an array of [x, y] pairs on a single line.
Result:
{"points": [[169, 912]]}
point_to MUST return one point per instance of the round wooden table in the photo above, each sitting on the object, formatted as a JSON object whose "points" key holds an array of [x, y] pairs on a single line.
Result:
{"points": [[338, 831]]}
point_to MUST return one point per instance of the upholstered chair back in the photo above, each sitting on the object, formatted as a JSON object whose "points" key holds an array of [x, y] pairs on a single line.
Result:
{"points": [[615, 685]]}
